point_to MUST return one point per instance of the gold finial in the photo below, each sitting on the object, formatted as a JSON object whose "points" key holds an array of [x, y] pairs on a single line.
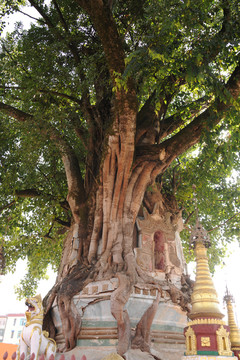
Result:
{"points": [[234, 330], [204, 299], [198, 234]]}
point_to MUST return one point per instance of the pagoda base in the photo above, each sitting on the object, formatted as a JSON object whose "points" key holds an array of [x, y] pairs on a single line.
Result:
{"points": [[99, 335], [236, 351], [208, 357]]}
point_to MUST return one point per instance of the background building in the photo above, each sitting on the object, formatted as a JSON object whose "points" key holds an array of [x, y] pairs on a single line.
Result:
{"points": [[13, 328], [3, 320]]}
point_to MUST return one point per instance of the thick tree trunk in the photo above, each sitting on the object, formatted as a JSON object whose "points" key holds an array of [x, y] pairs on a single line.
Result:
{"points": [[110, 253], [100, 246]]}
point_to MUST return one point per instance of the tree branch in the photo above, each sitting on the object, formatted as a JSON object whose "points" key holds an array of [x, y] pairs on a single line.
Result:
{"points": [[60, 16], [66, 224], [82, 135], [172, 123], [53, 28], [225, 222], [47, 235], [7, 206], [28, 193], [189, 217], [46, 91], [146, 117], [69, 97], [15, 113], [168, 150], [75, 182], [106, 28], [31, 17]]}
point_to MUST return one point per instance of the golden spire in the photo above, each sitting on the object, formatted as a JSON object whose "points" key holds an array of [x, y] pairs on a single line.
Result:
{"points": [[234, 330], [204, 299]]}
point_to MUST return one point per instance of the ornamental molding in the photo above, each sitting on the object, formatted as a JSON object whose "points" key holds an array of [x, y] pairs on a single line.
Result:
{"points": [[157, 221], [206, 321]]}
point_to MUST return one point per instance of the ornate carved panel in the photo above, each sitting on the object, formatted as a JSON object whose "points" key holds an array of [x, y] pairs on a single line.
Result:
{"points": [[160, 248], [144, 259], [205, 341], [223, 342], [191, 342]]}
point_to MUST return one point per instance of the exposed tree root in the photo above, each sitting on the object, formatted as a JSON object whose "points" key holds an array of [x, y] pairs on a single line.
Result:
{"points": [[82, 275], [118, 299], [72, 284], [48, 324], [71, 321], [142, 339]]}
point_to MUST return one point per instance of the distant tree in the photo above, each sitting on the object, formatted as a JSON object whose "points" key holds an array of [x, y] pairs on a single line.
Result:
{"points": [[104, 104]]}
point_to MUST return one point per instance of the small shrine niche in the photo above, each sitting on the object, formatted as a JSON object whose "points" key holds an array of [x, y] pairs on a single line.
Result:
{"points": [[224, 345], [159, 247]]}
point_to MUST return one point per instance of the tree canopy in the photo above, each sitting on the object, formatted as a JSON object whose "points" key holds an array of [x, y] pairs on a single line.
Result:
{"points": [[172, 66]]}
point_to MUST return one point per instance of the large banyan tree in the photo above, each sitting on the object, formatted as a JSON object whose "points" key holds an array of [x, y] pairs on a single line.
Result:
{"points": [[108, 107]]}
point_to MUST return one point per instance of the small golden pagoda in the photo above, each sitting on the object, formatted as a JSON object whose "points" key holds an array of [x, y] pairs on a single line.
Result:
{"points": [[204, 297], [234, 330], [207, 336]]}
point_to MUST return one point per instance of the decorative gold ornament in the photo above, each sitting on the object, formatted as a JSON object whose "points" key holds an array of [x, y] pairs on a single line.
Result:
{"points": [[205, 341], [204, 297], [199, 234], [191, 342], [206, 321], [223, 342], [36, 315]]}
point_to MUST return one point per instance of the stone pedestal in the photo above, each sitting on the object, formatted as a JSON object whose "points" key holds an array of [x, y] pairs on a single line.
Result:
{"points": [[158, 251], [99, 327], [207, 337]]}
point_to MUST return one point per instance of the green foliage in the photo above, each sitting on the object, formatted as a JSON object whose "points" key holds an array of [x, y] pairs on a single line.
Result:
{"points": [[8, 7], [212, 167]]}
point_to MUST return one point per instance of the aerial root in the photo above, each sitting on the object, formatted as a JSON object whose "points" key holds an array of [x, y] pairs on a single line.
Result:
{"points": [[141, 339]]}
